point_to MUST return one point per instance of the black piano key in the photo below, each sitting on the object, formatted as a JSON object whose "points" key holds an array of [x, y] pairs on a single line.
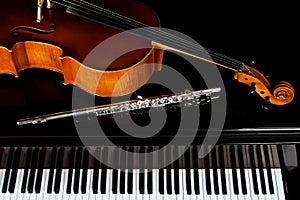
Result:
{"points": [[261, 168], [207, 174], [96, 169], [150, 168], [59, 163], [195, 169], [268, 167], [15, 167], [70, 170], [161, 175], [86, 157], [242, 169], [78, 161], [103, 171], [215, 172], [26, 169], [141, 172], [222, 169], [233, 168], [169, 173], [52, 168], [39, 175], [122, 182], [1, 154], [8, 169], [253, 169], [176, 171], [130, 174], [115, 173], [187, 159], [122, 172], [33, 168]]}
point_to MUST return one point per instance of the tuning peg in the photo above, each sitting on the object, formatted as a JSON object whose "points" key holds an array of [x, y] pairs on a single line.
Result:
{"points": [[252, 89]]}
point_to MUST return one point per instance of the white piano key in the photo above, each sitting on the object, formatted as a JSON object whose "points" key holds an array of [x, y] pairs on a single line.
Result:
{"points": [[44, 195], [117, 195], [228, 186], [193, 194], [268, 195], [72, 196], [92, 196], [134, 184], [201, 185], [138, 194], [213, 196], [159, 195], [166, 195], [279, 183], [125, 196], [275, 195], [26, 195], [248, 186], [105, 196], [15, 194], [79, 194], [59, 196], [155, 190], [240, 195], [99, 185], [185, 194], [2, 172], [253, 195], [181, 185], [230, 178], [173, 195], [53, 195], [86, 196], [221, 196], [6, 195], [66, 196], [146, 195], [18, 195], [260, 194]]}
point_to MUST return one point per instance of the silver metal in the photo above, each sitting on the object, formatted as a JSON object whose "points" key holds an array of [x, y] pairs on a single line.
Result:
{"points": [[186, 99], [40, 3]]}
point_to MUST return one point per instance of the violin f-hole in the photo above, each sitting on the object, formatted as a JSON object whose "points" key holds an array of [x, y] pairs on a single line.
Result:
{"points": [[39, 15], [15, 32]]}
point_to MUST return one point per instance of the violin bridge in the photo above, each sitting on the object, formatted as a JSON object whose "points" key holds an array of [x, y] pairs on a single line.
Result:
{"points": [[40, 16]]}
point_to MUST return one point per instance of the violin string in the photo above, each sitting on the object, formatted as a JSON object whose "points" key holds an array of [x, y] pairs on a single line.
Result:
{"points": [[131, 23], [137, 24], [158, 35]]}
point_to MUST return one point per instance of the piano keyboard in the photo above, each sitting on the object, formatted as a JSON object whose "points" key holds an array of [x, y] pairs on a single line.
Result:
{"points": [[67, 173]]}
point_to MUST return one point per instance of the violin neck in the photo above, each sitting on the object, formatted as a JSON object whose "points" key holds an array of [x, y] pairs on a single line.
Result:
{"points": [[160, 38]]}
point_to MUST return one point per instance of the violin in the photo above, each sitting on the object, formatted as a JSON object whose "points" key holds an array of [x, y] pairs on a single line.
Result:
{"points": [[59, 36]]}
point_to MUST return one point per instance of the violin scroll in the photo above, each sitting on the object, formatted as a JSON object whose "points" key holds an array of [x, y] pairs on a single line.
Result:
{"points": [[283, 92]]}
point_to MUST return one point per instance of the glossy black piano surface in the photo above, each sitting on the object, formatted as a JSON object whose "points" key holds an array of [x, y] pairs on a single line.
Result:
{"points": [[265, 33]]}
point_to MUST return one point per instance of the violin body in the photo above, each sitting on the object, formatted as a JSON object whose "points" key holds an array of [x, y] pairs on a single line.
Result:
{"points": [[62, 41]]}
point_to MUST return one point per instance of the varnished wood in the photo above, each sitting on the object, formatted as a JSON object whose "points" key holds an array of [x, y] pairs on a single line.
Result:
{"points": [[26, 55], [64, 50], [283, 92]]}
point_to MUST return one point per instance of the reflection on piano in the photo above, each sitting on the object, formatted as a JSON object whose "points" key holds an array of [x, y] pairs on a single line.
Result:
{"points": [[71, 172]]}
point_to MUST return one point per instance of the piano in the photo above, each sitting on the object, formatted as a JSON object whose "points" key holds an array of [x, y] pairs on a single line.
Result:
{"points": [[228, 171], [256, 156]]}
